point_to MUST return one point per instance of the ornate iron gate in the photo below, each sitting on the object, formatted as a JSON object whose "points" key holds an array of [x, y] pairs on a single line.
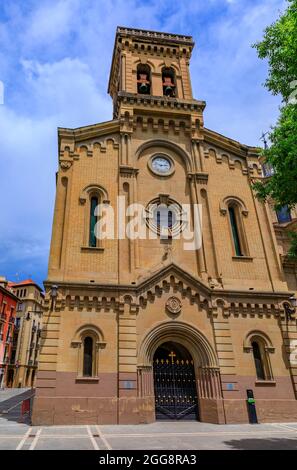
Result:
{"points": [[175, 389]]}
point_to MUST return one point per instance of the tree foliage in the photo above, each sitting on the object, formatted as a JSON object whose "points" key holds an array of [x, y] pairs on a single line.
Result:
{"points": [[279, 47]]}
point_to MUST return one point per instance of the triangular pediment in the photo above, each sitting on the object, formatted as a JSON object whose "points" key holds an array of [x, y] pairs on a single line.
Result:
{"points": [[176, 277]]}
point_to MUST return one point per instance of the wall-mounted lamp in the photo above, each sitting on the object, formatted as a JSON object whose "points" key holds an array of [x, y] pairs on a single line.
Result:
{"points": [[54, 291], [54, 294], [289, 311]]}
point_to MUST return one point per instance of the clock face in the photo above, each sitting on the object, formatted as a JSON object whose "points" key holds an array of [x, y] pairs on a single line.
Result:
{"points": [[161, 165]]}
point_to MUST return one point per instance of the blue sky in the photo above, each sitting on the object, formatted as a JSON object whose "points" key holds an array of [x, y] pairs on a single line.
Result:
{"points": [[54, 62]]}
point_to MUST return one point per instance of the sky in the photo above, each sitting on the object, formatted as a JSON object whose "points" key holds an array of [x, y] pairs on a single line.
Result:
{"points": [[55, 59]]}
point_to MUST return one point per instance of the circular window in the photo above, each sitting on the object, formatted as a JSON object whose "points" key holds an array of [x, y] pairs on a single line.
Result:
{"points": [[161, 165], [165, 219]]}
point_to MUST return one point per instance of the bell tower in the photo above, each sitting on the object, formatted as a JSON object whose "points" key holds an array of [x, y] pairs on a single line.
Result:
{"points": [[150, 73]]}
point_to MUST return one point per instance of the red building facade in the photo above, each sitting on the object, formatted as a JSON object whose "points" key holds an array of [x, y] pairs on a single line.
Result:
{"points": [[8, 304]]}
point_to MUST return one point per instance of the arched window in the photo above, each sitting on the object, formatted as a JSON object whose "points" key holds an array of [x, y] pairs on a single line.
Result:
{"points": [[235, 230], [143, 79], [259, 344], [258, 361], [283, 215], [93, 197], [93, 220], [165, 218], [88, 357], [89, 341], [169, 82]]}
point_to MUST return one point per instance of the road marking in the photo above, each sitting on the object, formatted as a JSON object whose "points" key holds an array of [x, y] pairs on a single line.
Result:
{"points": [[24, 439], [95, 445], [35, 440], [107, 445], [206, 434], [281, 425]]}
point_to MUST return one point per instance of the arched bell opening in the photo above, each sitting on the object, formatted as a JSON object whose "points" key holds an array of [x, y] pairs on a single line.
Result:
{"points": [[175, 386], [143, 79], [169, 82]]}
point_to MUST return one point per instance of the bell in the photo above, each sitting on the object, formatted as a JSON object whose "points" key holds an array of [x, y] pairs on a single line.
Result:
{"points": [[143, 88], [168, 91]]}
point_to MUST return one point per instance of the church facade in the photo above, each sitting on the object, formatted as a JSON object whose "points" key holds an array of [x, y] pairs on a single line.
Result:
{"points": [[143, 328]]}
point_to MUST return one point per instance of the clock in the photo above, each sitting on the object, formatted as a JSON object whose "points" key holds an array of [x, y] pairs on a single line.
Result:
{"points": [[161, 165]]}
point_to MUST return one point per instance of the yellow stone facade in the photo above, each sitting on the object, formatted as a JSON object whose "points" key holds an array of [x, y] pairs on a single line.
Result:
{"points": [[133, 296]]}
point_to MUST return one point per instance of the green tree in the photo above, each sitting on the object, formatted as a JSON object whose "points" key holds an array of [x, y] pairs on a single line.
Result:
{"points": [[279, 47]]}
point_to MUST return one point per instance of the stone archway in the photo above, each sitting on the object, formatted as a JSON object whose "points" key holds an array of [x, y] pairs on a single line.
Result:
{"points": [[175, 386], [207, 374]]}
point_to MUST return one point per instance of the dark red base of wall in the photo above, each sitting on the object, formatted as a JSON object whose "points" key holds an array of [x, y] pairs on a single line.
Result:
{"points": [[63, 410]]}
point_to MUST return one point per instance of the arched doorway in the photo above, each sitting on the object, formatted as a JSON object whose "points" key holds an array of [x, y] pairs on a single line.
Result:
{"points": [[174, 383]]}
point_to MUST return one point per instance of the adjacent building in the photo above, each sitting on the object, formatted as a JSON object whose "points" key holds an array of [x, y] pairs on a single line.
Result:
{"points": [[27, 335], [8, 304], [144, 328]]}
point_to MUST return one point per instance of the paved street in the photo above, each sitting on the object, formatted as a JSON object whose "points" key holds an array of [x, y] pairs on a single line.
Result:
{"points": [[162, 435]]}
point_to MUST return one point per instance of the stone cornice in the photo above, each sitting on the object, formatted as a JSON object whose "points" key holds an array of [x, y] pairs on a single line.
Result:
{"points": [[155, 36], [230, 145], [187, 281], [87, 132], [160, 102]]}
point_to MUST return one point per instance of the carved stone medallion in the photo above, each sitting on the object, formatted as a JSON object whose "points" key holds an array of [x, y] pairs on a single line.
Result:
{"points": [[65, 165], [173, 305]]}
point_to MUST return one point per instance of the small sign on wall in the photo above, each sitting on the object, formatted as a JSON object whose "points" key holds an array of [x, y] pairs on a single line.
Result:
{"points": [[128, 384]]}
